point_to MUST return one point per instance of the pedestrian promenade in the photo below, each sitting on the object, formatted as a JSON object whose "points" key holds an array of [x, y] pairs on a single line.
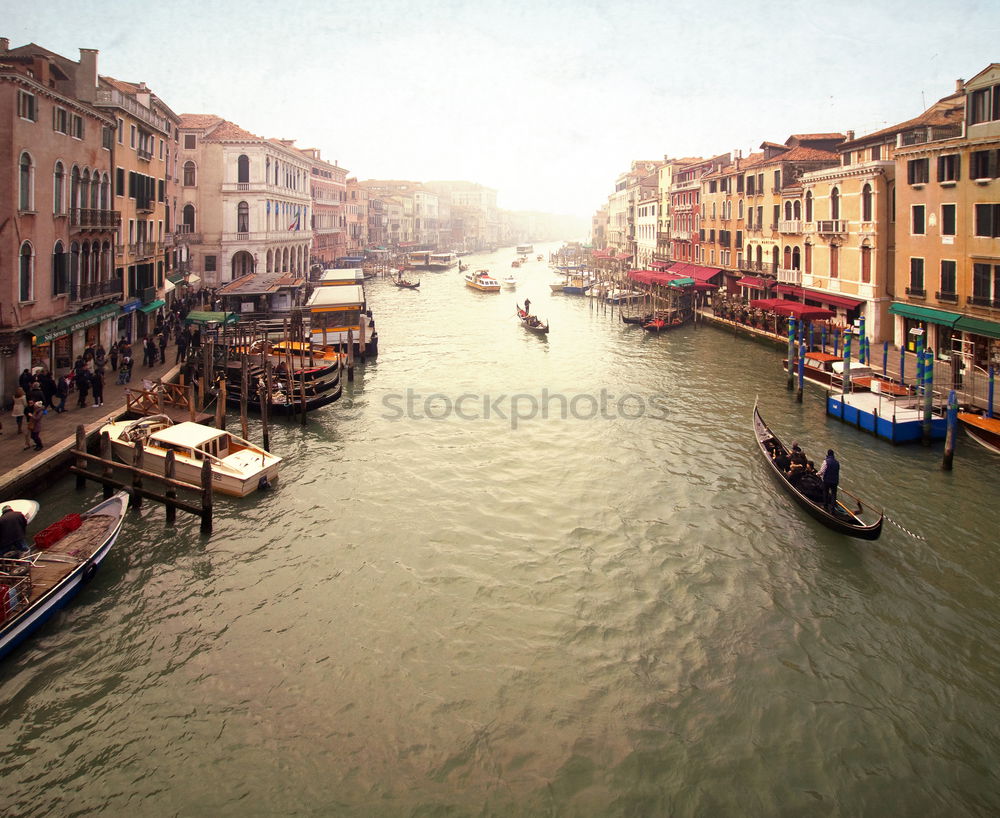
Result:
{"points": [[59, 429]]}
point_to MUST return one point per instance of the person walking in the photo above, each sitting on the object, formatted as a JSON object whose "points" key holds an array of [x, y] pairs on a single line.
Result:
{"points": [[830, 473], [62, 392], [97, 385], [182, 344], [82, 387], [161, 341], [19, 410], [113, 357], [35, 423]]}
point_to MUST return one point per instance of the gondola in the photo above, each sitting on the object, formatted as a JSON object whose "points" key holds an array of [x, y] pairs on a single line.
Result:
{"points": [[637, 319], [842, 519], [532, 322], [403, 283], [285, 402]]}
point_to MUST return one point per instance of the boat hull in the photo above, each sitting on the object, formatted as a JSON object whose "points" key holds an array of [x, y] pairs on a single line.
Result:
{"points": [[985, 431], [21, 626]]}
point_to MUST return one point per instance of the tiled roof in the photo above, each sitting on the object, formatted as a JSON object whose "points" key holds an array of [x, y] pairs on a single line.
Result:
{"points": [[199, 121], [804, 137], [260, 284], [121, 85], [803, 154], [230, 131], [949, 110]]}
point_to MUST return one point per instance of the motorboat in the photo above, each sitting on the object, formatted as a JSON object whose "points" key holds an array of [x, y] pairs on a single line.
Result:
{"points": [[65, 556], [483, 281], [509, 281], [619, 296], [238, 466]]}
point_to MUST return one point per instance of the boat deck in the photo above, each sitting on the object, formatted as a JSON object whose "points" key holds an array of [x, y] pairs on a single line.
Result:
{"points": [[50, 567]]}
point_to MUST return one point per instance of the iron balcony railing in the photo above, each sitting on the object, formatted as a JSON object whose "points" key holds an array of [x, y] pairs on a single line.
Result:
{"points": [[95, 289], [88, 218], [983, 301], [916, 292], [947, 296]]}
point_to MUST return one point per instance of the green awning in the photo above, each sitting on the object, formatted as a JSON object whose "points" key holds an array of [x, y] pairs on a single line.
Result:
{"points": [[153, 305], [978, 326], [200, 317], [928, 314], [175, 278], [681, 282], [71, 323]]}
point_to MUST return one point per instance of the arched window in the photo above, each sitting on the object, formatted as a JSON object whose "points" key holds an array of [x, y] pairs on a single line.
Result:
{"points": [[835, 204], [243, 218], [866, 203], [243, 168], [60, 283], [809, 206], [788, 211], [84, 188], [788, 257], [739, 210], [797, 210], [74, 188], [270, 257], [189, 174], [774, 257], [106, 259], [187, 218], [74, 264], [796, 259], [95, 190], [59, 189], [26, 200], [26, 273]]}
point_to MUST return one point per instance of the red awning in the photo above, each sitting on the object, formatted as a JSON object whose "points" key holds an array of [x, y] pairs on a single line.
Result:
{"points": [[623, 256], [660, 265], [767, 303], [803, 311], [835, 300], [751, 281], [789, 289], [600, 254], [653, 276], [699, 273]]}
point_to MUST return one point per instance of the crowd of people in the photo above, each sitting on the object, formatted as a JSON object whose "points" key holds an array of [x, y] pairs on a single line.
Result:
{"points": [[39, 390]]}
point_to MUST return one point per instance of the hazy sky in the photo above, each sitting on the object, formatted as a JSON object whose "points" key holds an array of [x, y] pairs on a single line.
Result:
{"points": [[545, 101]]}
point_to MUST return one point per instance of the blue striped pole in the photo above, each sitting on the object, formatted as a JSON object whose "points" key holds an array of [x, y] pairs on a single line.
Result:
{"points": [[902, 364], [791, 353], [885, 358], [862, 342], [949, 437], [824, 337]]}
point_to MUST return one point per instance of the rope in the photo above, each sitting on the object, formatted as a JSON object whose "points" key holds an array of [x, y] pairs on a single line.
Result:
{"points": [[905, 530]]}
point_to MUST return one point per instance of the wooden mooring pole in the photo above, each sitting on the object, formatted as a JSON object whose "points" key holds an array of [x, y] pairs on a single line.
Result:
{"points": [[168, 472]]}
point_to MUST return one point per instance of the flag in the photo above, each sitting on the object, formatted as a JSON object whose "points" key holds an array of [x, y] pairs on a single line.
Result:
{"points": [[295, 223]]}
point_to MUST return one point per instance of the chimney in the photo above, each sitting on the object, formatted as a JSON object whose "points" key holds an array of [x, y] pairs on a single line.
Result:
{"points": [[86, 75], [959, 83], [4, 45], [850, 136], [142, 95]]}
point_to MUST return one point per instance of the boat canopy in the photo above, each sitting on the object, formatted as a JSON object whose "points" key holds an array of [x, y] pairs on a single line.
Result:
{"points": [[202, 317], [347, 294]]}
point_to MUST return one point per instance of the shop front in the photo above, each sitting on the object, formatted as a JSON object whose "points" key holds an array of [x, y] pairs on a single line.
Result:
{"points": [[55, 344]]}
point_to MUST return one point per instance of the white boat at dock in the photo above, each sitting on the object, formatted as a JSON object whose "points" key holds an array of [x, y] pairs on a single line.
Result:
{"points": [[238, 466], [618, 296]]}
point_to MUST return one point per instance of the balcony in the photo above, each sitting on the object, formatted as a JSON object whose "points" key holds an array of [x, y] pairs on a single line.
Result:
{"points": [[148, 295], [748, 266], [983, 301], [916, 292], [790, 276], [145, 155], [146, 206], [88, 218], [790, 226], [114, 98], [681, 235], [95, 289], [952, 298], [143, 249], [832, 227], [184, 234]]}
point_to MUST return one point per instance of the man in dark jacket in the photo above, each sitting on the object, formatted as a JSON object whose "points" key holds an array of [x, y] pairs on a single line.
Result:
{"points": [[830, 472], [13, 530]]}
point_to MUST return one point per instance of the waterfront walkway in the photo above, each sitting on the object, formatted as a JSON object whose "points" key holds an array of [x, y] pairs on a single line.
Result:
{"points": [[22, 466]]}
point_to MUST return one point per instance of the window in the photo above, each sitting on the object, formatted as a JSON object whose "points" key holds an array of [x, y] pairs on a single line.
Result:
{"points": [[917, 220], [26, 273], [809, 260], [161, 149], [26, 198], [107, 137], [76, 126], [866, 265], [948, 278], [834, 261], [243, 168], [119, 181], [131, 136], [988, 220], [948, 167], [59, 189], [866, 203], [875, 153], [243, 218], [777, 181], [190, 141], [121, 131], [986, 284], [187, 218], [60, 120], [984, 105], [739, 209], [835, 204], [916, 277], [809, 206], [26, 106], [210, 264], [983, 164], [947, 220], [918, 171], [60, 279], [189, 174]]}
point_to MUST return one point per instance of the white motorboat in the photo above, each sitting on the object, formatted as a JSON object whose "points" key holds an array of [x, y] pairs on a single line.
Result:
{"points": [[238, 466], [617, 296], [557, 286], [509, 281]]}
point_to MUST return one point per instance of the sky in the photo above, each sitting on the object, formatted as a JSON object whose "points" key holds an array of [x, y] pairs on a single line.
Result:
{"points": [[546, 101]]}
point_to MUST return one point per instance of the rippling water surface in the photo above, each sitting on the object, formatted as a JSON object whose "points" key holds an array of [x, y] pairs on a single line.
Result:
{"points": [[437, 615]]}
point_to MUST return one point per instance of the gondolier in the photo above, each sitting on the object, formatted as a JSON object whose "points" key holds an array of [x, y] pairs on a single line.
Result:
{"points": [[830, 473]]}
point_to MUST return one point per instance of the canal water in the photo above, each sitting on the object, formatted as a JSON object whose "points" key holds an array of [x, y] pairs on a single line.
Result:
{"points": [[515, 575]]}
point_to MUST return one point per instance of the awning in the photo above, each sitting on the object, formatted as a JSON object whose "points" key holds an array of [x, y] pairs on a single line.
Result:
{"points": [[918, 313], [767, 303], [153, 305], [175, 278], [835, 300], [789, 289], [699, 273], [623, 256], [803, 311], [978, 326], [660, 265], [51, 330], [169, 286], [753, 282], [201, 317]]}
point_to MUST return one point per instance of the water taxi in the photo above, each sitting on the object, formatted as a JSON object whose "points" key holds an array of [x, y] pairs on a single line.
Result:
{"points": [[524, 249], [238, 466], [984, 430], [426, 260], [483, 281]]}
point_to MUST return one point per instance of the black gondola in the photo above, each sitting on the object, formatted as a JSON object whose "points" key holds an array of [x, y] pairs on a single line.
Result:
{"points": [[318, 393], [532, 322], [637, 319], [406, 284], [842, 519]]}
